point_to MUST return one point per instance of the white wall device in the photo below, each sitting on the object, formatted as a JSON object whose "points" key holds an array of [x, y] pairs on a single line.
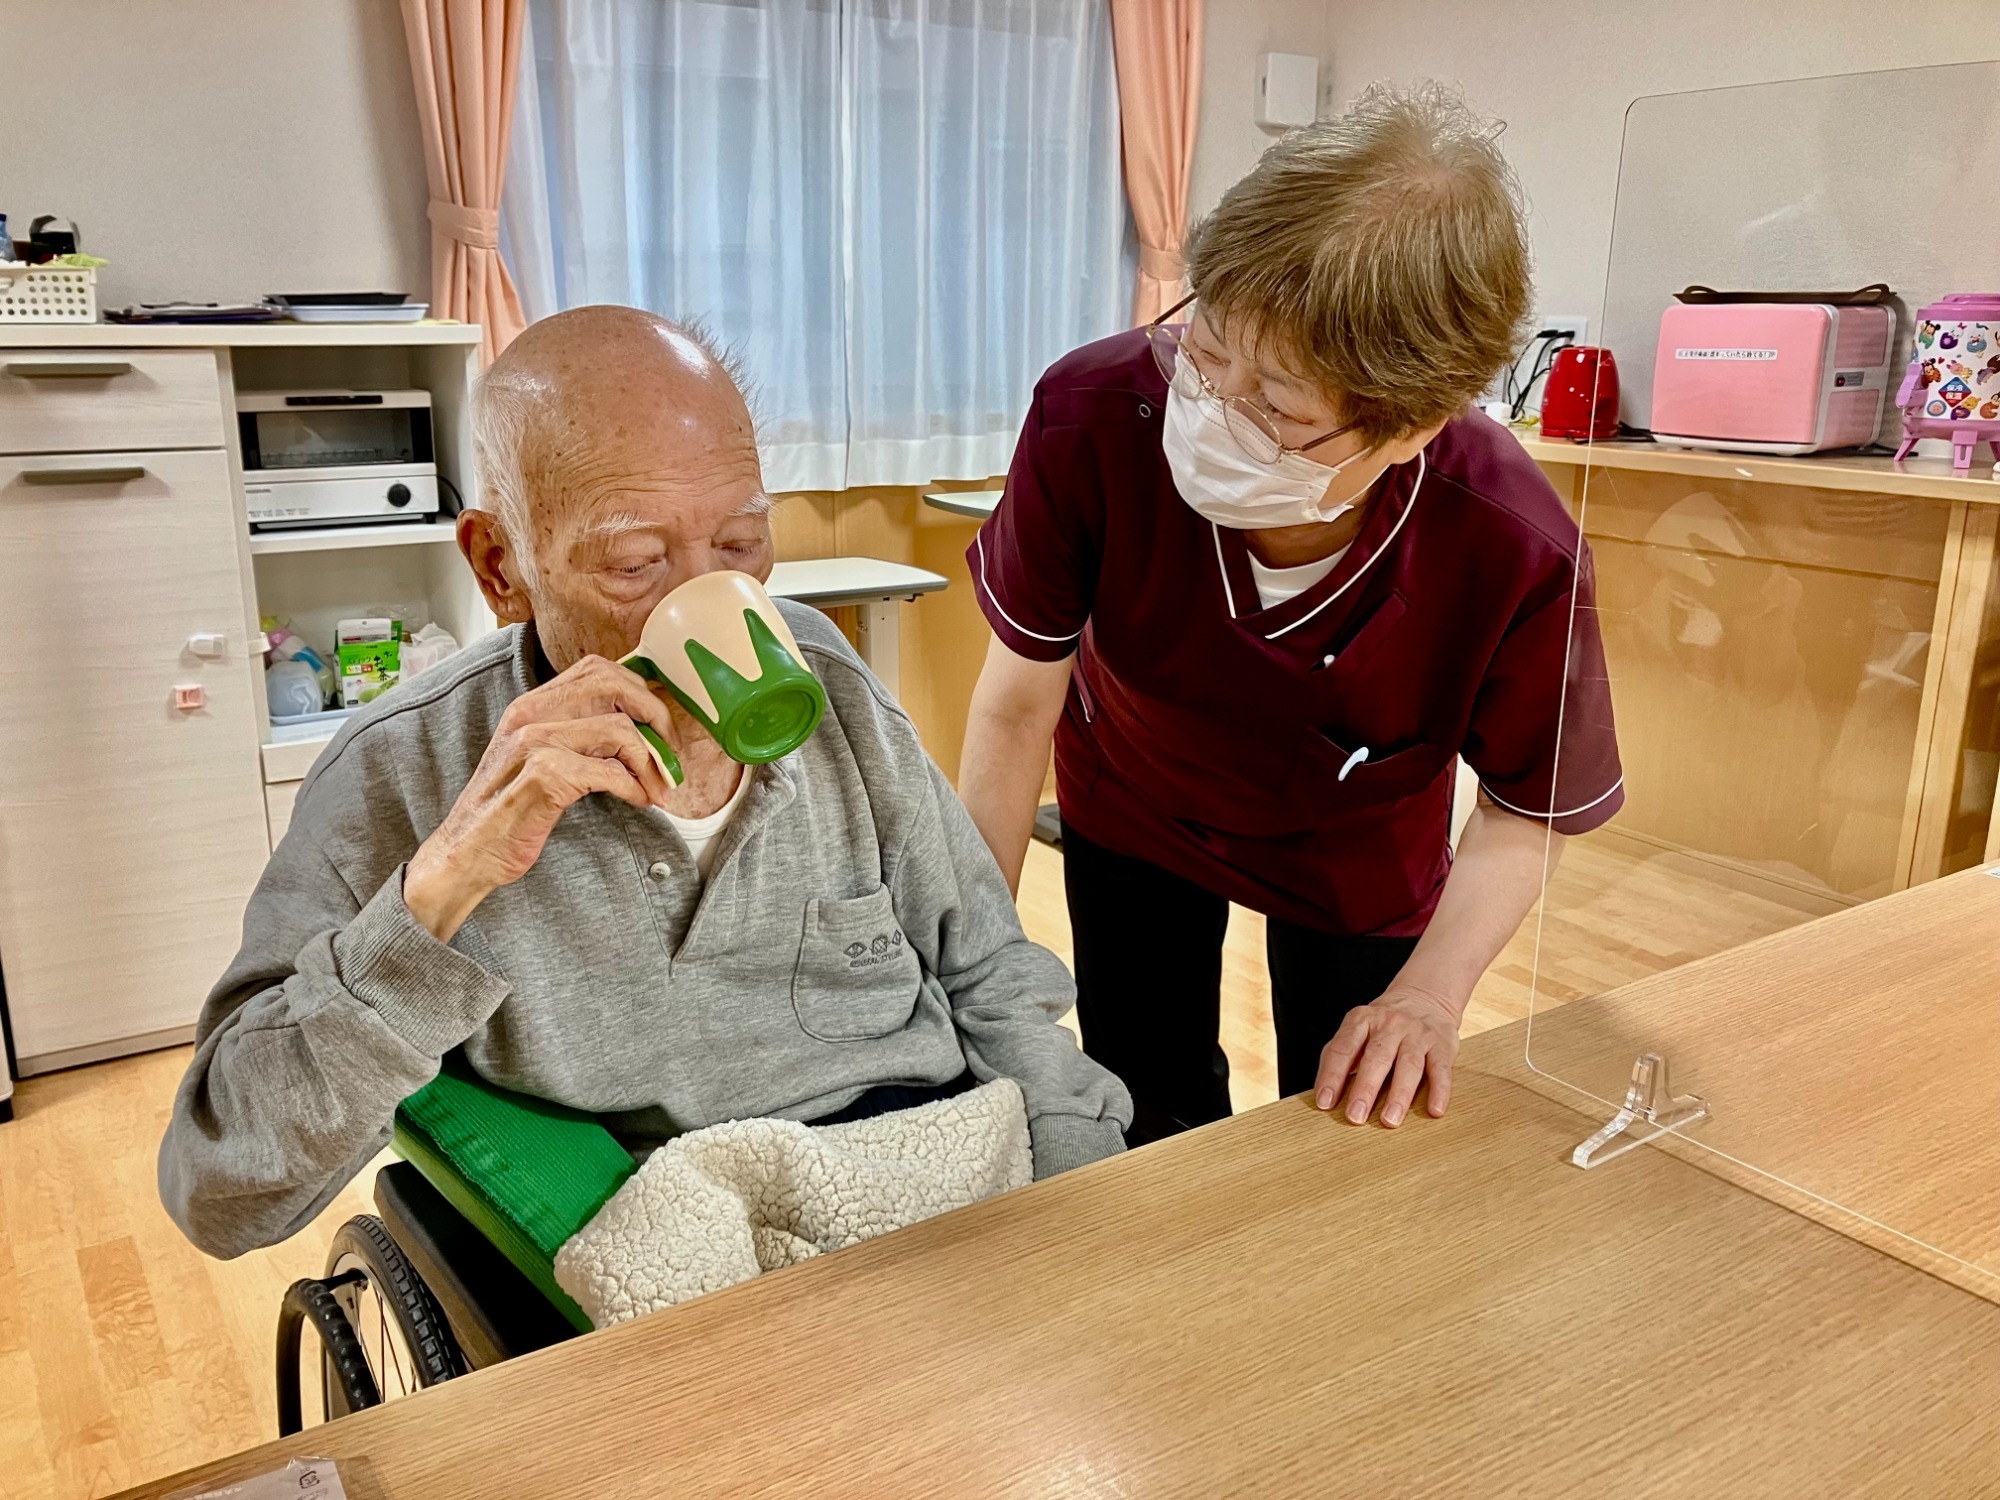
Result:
{"points": [[1287, 90]]}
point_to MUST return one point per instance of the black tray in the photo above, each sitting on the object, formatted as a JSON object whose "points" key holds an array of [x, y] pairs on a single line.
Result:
{"points": [[341, 299]]}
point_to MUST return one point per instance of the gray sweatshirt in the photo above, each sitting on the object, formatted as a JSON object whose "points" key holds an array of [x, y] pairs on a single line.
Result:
{"points": [[853, 931]]}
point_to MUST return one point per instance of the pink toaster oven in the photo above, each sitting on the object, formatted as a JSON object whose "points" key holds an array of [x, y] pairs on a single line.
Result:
{"points": [[1771, 377]]}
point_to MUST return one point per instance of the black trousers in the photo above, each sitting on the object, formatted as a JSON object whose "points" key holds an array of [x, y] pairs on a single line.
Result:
{"points": [[1148, 961]]}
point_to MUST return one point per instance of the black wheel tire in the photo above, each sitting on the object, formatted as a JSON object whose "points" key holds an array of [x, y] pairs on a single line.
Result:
{"points": [[425, 1329], [342, 1358]]}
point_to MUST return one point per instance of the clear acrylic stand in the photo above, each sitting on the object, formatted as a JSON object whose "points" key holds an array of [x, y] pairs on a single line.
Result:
{"points": [[1649, 1103]]}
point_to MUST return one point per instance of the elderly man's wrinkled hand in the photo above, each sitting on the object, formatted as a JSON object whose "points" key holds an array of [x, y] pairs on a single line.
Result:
{"points": [[1399, 1041], [555, 745]]}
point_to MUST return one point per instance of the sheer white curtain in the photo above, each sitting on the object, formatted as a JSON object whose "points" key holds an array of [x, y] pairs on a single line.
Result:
{"points": [[898, 212]]}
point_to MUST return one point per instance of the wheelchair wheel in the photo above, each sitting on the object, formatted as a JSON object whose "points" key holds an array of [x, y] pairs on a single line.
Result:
{"points": [[326, 1373], [381, 1333]]}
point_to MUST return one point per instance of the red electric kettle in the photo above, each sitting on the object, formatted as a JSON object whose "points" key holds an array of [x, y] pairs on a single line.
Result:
{"points": [[1580, 397]]}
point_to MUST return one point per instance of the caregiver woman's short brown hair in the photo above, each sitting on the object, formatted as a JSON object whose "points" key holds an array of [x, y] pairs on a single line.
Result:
{"points": [[1380, 255]]}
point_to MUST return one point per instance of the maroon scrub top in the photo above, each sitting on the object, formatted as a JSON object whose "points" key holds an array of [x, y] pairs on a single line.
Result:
{"points": [[1297, 760]]}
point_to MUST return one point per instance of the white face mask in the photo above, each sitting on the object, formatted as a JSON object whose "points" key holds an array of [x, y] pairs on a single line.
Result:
{"points": [[1223, 484]]}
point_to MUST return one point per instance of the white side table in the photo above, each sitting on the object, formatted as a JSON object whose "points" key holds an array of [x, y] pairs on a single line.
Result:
{"points": [[876, 588], [979, 504]]}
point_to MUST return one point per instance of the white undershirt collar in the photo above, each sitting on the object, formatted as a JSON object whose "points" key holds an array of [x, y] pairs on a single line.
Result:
{"points": [[1229, 593]]}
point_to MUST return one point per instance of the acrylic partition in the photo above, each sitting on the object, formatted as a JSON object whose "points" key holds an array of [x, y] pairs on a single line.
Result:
{"points": [[1803, 659]]}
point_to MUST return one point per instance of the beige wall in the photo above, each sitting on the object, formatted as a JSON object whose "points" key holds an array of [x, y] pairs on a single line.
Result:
{"points": [[1234, 33], [1562, 75], [234, 147], [217, 149]]}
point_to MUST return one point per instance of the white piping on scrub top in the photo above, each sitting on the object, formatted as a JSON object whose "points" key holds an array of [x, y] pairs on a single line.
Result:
{"points": [[1222, 567], [979, 546], [1421, 466], [1551, 816]]}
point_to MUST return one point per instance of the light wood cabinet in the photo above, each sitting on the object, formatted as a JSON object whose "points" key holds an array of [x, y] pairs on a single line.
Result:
{"points": [[131, 829], [87, 400], [135, 815], [1804, 656]]}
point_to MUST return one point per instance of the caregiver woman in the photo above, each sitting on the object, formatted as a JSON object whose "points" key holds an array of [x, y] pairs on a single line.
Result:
{"points": [[1264, 577]]}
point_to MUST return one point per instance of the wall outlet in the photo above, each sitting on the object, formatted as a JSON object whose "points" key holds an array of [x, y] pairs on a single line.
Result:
{"points": [[1579, 328], [1524, 364]]}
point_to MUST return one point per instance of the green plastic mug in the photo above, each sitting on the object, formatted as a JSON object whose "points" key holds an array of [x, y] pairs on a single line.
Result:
{"points": [[719, 646]]}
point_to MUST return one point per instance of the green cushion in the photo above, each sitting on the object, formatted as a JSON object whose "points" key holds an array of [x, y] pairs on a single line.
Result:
{"points": [[527, 1173]]}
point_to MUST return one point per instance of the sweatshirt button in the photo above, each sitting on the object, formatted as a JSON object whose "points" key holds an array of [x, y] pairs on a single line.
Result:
{"points": [[661, 870]]}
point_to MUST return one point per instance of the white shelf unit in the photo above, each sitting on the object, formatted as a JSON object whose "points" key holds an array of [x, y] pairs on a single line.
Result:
{"points": [[349, 538], [410, 571], [280, 335]]}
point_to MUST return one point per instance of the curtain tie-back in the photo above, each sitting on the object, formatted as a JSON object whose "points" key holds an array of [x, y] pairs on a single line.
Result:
{"points": [[1161, 265], [477, 227]]}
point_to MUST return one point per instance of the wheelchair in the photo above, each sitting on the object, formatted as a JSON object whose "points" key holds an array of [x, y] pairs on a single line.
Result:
{"points": [[454, 1270]]}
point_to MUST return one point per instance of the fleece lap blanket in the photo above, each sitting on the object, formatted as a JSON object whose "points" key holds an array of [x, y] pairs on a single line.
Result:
{"points": [[720, 1205]]}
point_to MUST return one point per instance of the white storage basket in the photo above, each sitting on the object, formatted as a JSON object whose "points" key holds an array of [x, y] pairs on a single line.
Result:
{"points": [[47, 294]]}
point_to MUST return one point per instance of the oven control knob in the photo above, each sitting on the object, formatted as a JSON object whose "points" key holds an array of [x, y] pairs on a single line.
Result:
{"points": [[399, 495]]}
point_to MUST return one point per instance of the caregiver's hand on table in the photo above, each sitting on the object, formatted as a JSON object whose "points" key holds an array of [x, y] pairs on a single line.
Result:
{"points": [[1398, 1041], [1411, 1033], [556, 744]]}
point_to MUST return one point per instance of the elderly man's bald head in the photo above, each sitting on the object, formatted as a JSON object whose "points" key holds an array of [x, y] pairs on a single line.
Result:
{"points": [[619, 457]]}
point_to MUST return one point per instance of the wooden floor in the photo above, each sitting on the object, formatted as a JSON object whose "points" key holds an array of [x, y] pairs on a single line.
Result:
{"points": [[1615, 911], [125, 1354]]}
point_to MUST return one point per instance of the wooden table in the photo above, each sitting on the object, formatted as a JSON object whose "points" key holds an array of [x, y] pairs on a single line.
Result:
{"points": [[1285, 1305], [1852, 1066]]}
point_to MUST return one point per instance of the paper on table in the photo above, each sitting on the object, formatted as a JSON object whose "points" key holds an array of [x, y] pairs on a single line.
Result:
{"points": [[314, 1477]]}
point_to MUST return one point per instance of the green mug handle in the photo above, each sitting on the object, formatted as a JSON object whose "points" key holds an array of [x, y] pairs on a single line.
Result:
{"points": [[669, 762]]}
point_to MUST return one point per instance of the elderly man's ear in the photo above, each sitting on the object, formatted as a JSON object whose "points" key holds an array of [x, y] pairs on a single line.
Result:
{"points": [[485, 545]]}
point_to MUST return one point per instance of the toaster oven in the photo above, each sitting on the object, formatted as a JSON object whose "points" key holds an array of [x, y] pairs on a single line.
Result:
{"points": [[334, 458], [1771, 377]]}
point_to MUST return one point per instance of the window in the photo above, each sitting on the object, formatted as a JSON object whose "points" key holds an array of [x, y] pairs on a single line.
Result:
{"points": [[898, 212]]}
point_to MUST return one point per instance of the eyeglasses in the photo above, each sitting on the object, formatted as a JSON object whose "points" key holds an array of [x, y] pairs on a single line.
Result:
{"points": [[1255, 431]]}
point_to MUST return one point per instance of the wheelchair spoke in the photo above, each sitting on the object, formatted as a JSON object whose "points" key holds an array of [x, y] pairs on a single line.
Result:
{"points": [[390, 1351]]}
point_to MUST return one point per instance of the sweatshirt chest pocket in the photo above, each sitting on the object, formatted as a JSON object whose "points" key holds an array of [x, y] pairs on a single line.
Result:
{"points": [[857, 975]]}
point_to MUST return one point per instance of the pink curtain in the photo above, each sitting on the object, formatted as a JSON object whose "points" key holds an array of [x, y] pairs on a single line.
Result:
{"points": [[1158, 44], [464, 58]]}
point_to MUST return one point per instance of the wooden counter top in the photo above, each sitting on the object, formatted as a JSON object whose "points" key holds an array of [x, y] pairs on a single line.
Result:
{"points": [[1876, 474], [1285, 1305]]}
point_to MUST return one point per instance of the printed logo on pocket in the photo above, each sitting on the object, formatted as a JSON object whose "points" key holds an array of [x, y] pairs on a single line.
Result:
{"points": [[876, 950]]}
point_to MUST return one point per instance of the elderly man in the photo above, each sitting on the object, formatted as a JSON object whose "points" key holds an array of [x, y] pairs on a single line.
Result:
{"points": [[489, 859]]}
